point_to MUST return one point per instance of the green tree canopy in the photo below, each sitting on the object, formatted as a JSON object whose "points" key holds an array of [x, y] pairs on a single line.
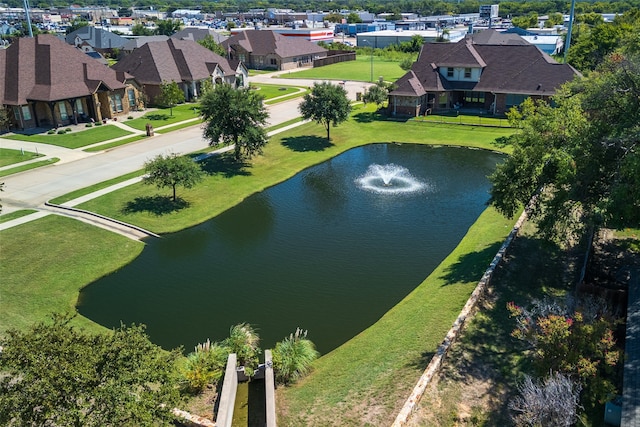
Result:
{"points": [[210, 43], [54, 374], [235, 116], [168, 27], [581, 158], [327, 104], [377, 94], [141, 30], [76, 24], [172, 170], [170, 95], [353, 18]]}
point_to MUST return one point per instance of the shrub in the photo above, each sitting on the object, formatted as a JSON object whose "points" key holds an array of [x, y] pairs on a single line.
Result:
{"points": [[552, 402], [129, 117], [88, 125], [293, 356], [204, 367], [67, 129], [62, 132], [98, 123], [243, 341], [51, 132]]}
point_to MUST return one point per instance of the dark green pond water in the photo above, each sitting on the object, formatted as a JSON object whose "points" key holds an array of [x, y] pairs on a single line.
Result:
{"points": [[317, 252]]}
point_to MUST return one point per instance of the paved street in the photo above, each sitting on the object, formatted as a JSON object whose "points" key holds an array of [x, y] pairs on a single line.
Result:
{"points": [[78, 169]]}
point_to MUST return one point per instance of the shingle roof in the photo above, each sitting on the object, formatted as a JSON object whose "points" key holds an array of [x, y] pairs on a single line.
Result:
{"points": [[141, 41], [492, 36], [197, 34], [506, 68], [45, 68], [97, 37], [264, 42], [172, 60]]}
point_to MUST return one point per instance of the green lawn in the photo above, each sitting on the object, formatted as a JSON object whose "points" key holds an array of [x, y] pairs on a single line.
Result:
{"points": [[359, 70], [29, 166], [75, 139], [118, 143], [273, 91], [9, 156], [16, 214], [164, 116], [286, 154], [464, 119], [44, 263]]}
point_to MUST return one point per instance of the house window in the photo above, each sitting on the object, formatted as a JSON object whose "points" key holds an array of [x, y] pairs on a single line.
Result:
{"points": [[450, 72], [79, 107], [132, 98], [442, 100], [513, 100], [274, 61], [474, 97], [467, 73], [26, 112], [116, 102], [241, 57], [63, 110]]}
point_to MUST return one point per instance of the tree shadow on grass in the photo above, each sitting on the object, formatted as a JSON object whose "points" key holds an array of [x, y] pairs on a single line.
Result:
{"points": [[423, 361], [470, 267], [158, 205], [306, 143], [225, 164], [366, 117]]}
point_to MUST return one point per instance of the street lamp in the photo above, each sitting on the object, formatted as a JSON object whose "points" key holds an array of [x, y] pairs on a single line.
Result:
{"points": [[371, 46]]}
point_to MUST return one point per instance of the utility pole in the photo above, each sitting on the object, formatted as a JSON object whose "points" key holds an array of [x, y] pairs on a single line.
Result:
{"points": [[567, 42], [26, 11]]}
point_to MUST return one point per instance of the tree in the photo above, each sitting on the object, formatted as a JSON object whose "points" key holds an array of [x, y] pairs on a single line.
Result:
{"points": [[210, 43], [578, 158], [293, 356], [235, 116], [172, 170], [377, 94], [54, 374], [353, 18], [141, 30], [168, 27], [552, 402], [574, 341], [327, 104], [170, 95], [406, 63], [76, 24]]}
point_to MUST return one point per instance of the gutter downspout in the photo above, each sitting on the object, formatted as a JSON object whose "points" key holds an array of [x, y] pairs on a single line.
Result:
{"points": [[495, 102]]}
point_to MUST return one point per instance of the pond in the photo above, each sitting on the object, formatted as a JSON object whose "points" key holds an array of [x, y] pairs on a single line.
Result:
{"points": [[320, 251]]}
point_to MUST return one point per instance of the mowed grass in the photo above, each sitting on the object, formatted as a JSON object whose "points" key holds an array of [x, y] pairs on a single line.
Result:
{"points": [[358, 70], [227, 183], [9, 156], [29, 166], [44, 263], [16, 214], [166, 116], [75, 139], [272, 91]]}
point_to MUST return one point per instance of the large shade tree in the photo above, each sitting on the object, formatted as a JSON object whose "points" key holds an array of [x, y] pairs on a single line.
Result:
{"points": [[580, 158], [172, 170], [235, 116], [327, 104], [56, 375]]}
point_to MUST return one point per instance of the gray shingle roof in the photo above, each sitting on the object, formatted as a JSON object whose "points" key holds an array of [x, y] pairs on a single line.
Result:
{"points": [[97, 38], [172, 60], [45, 68], [197, 34], [265, 42]]}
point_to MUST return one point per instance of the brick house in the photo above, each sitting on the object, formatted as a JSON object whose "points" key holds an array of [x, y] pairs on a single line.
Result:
{"points": [[480, 73], [182, 61], [264, 49], [45, 82]]}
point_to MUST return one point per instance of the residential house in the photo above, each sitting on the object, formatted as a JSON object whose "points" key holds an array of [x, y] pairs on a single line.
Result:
{"points": [[139, 41], [264, 49], [469, 74], [196, 34], [182, 61], [100, 40], [48, 83]]}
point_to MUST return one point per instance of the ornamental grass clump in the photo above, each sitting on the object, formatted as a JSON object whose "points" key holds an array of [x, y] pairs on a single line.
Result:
{"points": [[293, 356]]}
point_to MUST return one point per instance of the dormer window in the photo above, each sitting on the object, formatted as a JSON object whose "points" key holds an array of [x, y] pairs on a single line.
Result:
{"points": [[467, 73], [450, 72]]}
